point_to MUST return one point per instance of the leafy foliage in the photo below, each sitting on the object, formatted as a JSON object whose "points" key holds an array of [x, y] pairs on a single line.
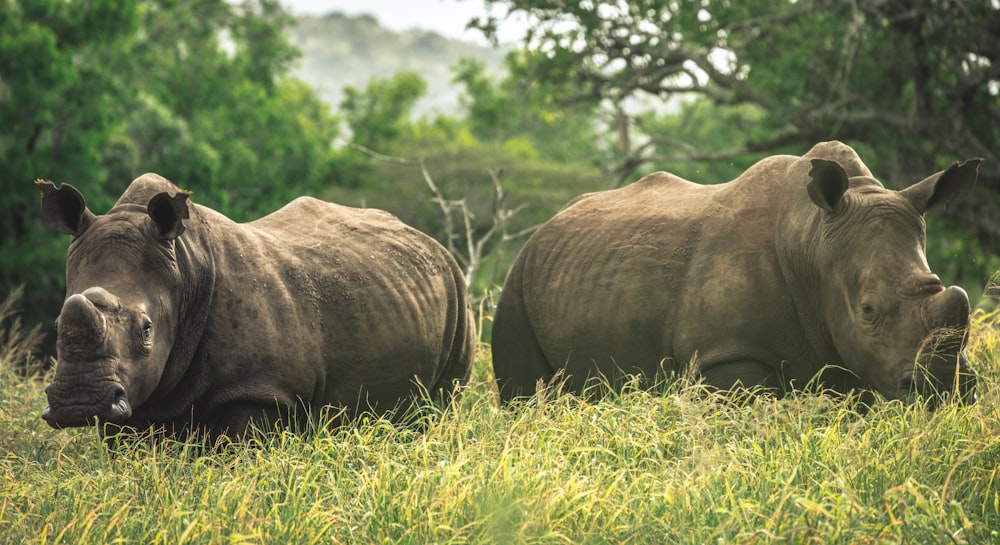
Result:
{"points": [[192, 90], [341, 50], [601, 93], [506, 111], [513, 133], [382, 113], [915, 84]]}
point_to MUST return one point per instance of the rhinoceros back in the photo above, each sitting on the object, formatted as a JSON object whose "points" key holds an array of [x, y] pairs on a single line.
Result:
{"points": [[344, 306], [563, 304]]}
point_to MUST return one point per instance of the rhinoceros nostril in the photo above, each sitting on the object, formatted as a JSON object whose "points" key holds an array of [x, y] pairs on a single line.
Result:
{"points": [[120, 408]]}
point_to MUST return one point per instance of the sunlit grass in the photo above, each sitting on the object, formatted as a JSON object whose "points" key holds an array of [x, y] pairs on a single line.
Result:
{"points": [[674, 466]]}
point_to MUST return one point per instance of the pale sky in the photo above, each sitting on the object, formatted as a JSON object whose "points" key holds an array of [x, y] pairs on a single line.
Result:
{"points": [[446, 17]]}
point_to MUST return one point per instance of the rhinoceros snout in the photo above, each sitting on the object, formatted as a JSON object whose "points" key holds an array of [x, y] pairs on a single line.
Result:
{"points": [[113, 406], [941, 366]]}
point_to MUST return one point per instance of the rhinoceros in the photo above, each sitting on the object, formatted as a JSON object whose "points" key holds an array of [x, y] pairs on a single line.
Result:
{"points": [[178, 318], [797, 266]]}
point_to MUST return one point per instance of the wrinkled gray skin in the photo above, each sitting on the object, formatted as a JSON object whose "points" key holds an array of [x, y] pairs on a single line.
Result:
{"points": [[798, 264], [178, 318]]}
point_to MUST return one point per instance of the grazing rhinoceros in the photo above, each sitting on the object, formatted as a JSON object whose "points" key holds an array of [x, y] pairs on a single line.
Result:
{"points": [[801, 264], [178, 318]]}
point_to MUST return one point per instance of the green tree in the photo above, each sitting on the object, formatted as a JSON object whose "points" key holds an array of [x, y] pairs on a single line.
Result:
{"points": [[518, 108], [58, 109], [96, 93], [696, 127], [215, 112], [382, 112], [466, 158], [915, 84]]}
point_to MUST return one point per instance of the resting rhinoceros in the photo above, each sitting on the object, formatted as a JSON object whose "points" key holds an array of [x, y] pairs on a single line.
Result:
{"points": [[176, 317], [801, 264]]}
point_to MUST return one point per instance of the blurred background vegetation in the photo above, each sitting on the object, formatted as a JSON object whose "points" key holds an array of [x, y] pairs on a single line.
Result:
{"points": [[217, 97]]}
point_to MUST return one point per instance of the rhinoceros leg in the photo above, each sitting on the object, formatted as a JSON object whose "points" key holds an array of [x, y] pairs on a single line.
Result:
{"points": [[520, 376], [518, 360], [236, 419], [735, 375]]}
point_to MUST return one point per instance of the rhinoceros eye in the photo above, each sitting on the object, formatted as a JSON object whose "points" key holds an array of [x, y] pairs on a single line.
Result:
{"points": [[147, 329], [868, 312]]}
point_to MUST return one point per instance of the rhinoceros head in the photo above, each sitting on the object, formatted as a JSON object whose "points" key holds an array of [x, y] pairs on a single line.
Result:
{"points": [[891, 320], [118, 322]]}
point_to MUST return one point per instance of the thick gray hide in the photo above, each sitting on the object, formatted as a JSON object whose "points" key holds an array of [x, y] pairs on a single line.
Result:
{"points": [[176, 315], [800, 264]]}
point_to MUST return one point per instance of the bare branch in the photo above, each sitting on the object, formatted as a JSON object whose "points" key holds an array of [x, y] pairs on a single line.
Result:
{"points": [[687, 152], [385, 158], [475, 245]]}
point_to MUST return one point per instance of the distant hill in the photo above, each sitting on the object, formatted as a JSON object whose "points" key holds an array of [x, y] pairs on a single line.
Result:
{"points": [[340, 50]]}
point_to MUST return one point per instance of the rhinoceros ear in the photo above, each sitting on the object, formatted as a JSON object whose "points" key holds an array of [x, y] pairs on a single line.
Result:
{"points": [[64, 210], [828, 185], [937, 190], [168, 214]]}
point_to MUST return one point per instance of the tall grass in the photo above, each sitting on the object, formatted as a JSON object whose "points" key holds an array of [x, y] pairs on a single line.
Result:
{"points": [[674, 466]]}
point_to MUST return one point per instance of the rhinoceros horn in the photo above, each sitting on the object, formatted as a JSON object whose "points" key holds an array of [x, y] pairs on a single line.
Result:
{"points": [[948, 308], [81, 328]]}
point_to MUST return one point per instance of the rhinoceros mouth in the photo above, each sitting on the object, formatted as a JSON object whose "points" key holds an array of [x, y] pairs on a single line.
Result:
{"points": [[113, 406], [936, 377], [936, 386]]}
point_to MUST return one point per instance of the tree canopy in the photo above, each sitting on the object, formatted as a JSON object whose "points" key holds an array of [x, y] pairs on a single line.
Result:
{"points": [[96, 93], [704, 88], [599, 93], [914, 82]]}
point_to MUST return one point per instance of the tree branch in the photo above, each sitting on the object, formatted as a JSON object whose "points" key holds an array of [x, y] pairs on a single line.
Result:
{"points": [[475, 245], [687, 152]]}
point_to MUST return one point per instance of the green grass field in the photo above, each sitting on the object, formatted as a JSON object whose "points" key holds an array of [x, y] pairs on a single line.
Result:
{"points": [[675, 466]]}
